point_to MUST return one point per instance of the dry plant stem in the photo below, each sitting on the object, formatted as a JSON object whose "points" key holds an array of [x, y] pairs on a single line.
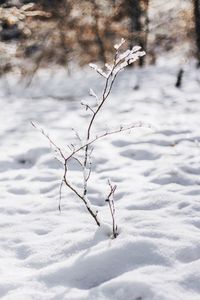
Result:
{"points": [[120, 129], [72, 156], [106, 92], [111, 203], [120, 62], [93, 214], [65, 180]]}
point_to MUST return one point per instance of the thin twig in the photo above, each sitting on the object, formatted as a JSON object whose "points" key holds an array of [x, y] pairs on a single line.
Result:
{"points": [[87, 106], [60, 195], [50, 140], [111, 203]]}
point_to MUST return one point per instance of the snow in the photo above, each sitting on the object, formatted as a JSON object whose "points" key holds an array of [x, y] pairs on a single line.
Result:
{"points": [[47, 255]]}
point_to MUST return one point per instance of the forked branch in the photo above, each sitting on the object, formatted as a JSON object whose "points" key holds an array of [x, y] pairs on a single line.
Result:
{"points": [[82, 152]]}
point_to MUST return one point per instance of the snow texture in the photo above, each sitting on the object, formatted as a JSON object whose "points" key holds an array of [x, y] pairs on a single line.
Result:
{"points": [[47, 255]]}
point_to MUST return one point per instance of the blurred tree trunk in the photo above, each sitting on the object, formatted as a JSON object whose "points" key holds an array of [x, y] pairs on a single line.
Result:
{"points": [[137, 11], [197, 27], [100, 43]]}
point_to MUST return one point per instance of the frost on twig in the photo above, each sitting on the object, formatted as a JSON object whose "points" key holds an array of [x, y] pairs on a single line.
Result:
{"points": [[121, 60], [111, 204], [117, 46], [98, 70], [82, 151]]}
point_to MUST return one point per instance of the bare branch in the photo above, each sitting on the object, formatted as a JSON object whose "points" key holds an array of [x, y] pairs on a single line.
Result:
{"points": [[60, 195], [122, 128], [77, 134], [87, 107], [78, 160], [111, 203], [49, 139], [83, 198]]}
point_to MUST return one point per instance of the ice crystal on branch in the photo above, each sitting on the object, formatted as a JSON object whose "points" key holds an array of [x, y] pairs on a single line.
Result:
{"points": [[98, 70], [82, 152], [117, 46], [121, 60]]}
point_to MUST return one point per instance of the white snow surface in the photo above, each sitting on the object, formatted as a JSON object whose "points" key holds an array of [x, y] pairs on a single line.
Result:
{"points": [[47, 255]]}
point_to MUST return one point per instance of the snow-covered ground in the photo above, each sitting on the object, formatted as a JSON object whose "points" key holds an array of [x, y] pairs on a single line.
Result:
{"points": [[46, 255]]}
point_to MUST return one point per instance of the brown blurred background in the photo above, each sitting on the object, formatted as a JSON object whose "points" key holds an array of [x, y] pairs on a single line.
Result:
{"points": [[45, 33]]}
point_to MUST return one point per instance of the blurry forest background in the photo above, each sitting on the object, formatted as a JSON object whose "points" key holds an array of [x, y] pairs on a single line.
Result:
{"points": [[45, 33]]}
